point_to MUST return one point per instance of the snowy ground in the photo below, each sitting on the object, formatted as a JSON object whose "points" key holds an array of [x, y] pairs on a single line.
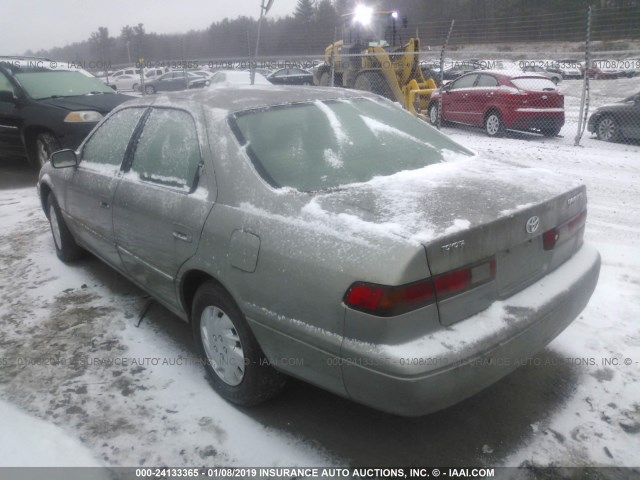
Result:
{"points": [[72, 357]]}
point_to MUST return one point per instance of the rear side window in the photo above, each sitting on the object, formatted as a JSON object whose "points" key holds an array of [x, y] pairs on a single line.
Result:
{"points": [[534, 84], [487, 81], [168, 152], [109, 142]]}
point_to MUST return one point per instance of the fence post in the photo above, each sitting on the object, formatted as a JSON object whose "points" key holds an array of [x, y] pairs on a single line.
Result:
{"points": [[444, 48], [333, 62], [584, 100]]}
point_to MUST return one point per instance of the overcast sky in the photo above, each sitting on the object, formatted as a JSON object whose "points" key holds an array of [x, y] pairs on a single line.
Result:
{"points": [[38, 24]]}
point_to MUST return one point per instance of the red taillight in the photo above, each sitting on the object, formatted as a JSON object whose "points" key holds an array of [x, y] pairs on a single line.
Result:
{"points": [[364, 296], [452, 283], [549, 238], [561, 233], [385, 301]]}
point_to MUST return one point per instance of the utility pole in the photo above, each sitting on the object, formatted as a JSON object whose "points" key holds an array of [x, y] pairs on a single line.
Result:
{"points": [[264, 9]]}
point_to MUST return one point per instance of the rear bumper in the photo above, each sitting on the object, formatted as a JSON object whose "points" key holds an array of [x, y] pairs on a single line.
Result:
{"points": [[536, 118], [445, 367]]}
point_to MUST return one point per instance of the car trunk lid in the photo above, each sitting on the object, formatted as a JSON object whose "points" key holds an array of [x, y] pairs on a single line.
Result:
{"points": [[471, 214]]}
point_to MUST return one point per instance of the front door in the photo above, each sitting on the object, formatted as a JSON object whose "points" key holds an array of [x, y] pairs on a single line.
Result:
{"points": [[10, 121], [479, 98], [456, 101], [90, 188]]}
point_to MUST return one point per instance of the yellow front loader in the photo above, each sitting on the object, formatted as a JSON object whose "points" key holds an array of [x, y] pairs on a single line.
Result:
{"points": [[367, 58]]}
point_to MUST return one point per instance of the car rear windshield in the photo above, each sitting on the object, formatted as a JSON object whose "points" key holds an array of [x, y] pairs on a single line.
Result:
{"points": [[534, 84], [46, 83], [323, 145]]}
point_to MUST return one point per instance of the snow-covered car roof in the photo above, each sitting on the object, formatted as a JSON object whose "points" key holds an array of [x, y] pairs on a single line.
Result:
{"points": [[246, 97], [511, 74]]}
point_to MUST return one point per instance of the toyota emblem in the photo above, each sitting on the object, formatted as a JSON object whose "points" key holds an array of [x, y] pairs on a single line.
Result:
{"points": [[532, 224]]}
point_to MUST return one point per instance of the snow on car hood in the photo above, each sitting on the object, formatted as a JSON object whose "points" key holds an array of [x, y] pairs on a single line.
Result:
{"points": [[102, 103], [421, 205]]}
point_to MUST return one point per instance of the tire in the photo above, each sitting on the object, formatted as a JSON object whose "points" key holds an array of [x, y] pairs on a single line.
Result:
{"points": [[374, 82], [134, 87], [67, 249], [607, 129], [493, 125], [325, 79], [44, 144], [433, 113], [306, 84], [150, 89], [550, 132], [244, 377]]}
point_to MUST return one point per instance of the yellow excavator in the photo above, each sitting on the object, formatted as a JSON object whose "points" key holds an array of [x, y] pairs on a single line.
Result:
{"points": [[370, 56]]}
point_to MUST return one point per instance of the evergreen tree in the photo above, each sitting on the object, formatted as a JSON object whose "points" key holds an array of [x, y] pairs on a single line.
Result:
{"points": [[305, 10]]}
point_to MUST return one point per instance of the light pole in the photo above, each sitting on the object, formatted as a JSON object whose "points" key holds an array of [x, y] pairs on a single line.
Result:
{"points": [[264, 9]]}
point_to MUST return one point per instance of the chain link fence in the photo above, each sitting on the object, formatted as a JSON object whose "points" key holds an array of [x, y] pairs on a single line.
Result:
{"points": [[547, 74]]}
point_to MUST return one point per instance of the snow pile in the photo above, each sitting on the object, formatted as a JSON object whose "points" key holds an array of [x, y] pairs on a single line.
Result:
{"points": [[27, 441]]}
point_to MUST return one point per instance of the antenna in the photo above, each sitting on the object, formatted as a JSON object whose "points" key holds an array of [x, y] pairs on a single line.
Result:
{"points": [[263, 11]]}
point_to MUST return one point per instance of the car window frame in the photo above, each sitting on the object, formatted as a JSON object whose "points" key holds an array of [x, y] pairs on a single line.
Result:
{"points": [[127, 164], [10, 83], [134, 135]]}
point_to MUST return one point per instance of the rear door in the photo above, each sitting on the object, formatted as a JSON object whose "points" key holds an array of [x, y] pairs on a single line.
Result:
{"points": [[300, 76], [629, 118], [168, 82], [89, 191], [157, 215], [279, 77], [481, 97]]}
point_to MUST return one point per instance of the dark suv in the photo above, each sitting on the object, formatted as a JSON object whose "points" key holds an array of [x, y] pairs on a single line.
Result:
{"points": [[45, 106]]}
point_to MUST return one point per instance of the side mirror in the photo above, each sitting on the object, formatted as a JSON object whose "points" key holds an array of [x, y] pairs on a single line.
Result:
{"points": [[446, 88], [8, 97], [64, 159]]}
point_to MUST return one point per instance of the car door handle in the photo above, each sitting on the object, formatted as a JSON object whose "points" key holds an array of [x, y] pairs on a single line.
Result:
{"points": [[104, 204], [182, 236]]}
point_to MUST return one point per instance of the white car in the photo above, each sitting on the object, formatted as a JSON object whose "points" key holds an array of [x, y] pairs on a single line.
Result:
{"points": [[236, 77], [153, 73], [203, 73], [125, 71], [125, 82], [507, 65]]}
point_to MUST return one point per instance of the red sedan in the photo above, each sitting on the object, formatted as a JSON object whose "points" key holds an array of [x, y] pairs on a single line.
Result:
{"points": [[500, 101]]}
